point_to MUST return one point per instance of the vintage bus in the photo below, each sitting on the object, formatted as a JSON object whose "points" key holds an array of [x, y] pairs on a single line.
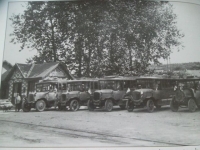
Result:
{"points": [[46, 95], [76, 93], [151, 92], [111, 92], [187, 93]]}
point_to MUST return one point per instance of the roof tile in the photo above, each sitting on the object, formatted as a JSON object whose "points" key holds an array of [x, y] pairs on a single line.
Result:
{"points": [[40, 70]]}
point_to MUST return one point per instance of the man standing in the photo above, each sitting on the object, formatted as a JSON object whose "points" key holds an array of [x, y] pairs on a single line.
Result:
{"points": [[17, 102]]}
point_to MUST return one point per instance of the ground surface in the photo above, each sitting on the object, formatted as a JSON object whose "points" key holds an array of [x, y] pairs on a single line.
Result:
{"points": [[84, 128]]}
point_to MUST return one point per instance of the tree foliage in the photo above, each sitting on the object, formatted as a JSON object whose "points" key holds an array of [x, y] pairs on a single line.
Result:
{"points": [[98, 37]]}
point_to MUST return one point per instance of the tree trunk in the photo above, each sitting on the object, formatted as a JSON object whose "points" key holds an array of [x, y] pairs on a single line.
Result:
{"points": [[80, 53], [130, 57], [88, 62], [53, 41]]}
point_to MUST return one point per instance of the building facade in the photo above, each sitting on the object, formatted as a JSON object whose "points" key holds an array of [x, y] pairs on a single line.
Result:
{"points": [[23, 77]]}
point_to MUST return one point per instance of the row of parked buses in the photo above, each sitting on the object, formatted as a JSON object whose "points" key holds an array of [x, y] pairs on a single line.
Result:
{"points": [[127, 92]]}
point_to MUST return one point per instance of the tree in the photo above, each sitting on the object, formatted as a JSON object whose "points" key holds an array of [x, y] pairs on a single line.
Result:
{"points": [[37, 28], [99, 37]]}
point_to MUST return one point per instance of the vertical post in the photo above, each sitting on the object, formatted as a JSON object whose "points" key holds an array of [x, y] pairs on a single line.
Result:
{"points": [[167, 64]]}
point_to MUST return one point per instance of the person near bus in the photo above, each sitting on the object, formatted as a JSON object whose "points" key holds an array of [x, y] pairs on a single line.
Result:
{"points": [[18, 102]]}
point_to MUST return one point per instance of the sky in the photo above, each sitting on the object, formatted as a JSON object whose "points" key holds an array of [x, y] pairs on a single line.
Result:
{"points": [[188, 21]]}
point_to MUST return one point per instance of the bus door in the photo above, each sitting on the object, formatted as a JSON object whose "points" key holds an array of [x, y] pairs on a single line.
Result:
{"points": [[84, 95], [167, 91], [53, 89], [59, 92], [119, 91]]}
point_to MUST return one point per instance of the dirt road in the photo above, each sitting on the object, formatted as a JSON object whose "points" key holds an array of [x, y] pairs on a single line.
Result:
{"points": [[84, 128]]}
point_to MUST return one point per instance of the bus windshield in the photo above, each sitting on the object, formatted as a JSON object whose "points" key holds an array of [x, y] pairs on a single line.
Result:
{"points": [[188, 84], [44, 87], [146, 84], [108, 85], [78, 86]]}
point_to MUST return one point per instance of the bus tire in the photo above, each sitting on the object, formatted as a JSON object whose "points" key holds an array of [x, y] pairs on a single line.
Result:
{"points": [[108, 105], [192, 105], [150, 105]]}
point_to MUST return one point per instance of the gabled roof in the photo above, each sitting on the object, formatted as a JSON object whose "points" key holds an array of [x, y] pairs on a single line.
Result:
{"points": [[31, 71], [41, 70], [24, 69]]}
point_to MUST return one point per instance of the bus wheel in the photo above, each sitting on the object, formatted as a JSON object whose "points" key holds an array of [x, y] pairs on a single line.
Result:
{"points": [[174, 105], [150, 105], [40, 105], [91, 106], [108, 105], [192, 105], [74, 105], [129, 106], [25, 107]]}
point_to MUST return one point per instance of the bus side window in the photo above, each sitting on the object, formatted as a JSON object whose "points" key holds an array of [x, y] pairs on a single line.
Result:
{"points": [[198, 86], [91, 85], [95, 85], [131, 84], [87, 86], [121, 85], [172, 84], [195, 85], [127, 84], [63, 86], [160, 85]]}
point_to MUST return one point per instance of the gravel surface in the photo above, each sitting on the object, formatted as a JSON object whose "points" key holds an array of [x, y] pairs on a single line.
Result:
{"points": [[53, 128]]}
